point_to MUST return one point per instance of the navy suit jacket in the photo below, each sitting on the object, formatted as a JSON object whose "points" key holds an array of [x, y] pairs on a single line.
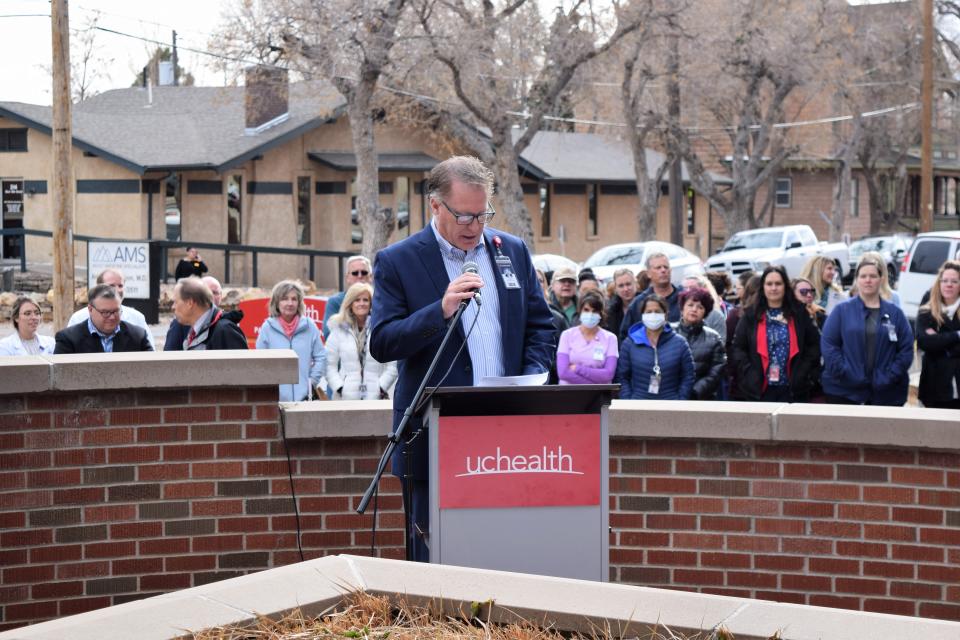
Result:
{"points": [[407, 323], [78, 339]]}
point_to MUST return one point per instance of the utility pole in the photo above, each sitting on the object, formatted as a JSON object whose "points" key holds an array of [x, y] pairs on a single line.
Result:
{"points": [[63, 279], [926, 122], [675, 176], [176, 78]]}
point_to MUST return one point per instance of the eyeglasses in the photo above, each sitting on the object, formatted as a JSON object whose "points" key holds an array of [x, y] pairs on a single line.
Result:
{"points": [[467, 218], [361, 272], [109, 313], [805, 292]]}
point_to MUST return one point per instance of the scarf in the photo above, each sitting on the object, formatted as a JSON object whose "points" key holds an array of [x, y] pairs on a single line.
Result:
{"points": [[196, 339], [289, 328]]}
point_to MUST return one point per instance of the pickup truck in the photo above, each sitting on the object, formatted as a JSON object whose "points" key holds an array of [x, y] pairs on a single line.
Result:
{"points": [[789, 246]]}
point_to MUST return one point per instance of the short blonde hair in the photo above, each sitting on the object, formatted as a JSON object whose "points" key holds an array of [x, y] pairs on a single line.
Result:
{"points": [[875, 259], [280, 291], [345, 315]]}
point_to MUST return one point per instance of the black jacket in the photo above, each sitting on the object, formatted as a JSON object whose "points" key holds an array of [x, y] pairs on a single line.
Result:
{"points": [[223, 335], [941, 358], [78, 339], [804, 368], [614, 313], [186, 268], [177, 333], [709, 358]]}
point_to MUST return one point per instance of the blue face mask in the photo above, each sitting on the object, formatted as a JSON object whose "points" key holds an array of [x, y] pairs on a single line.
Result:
{"points": [[589, 319]]}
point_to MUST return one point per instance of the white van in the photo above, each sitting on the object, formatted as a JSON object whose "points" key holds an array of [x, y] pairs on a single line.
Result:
{"points": [[920, 266]]}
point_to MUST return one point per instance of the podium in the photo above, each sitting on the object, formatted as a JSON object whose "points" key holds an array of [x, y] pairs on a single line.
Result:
{"points": [[519, 479]]}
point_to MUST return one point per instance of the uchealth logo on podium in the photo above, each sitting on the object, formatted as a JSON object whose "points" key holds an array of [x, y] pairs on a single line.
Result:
{"points": [[519, 461]]}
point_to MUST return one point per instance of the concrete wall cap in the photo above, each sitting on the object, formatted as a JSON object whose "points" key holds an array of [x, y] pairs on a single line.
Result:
{"points": [[338, 418], [24, 374], [700, 419]]}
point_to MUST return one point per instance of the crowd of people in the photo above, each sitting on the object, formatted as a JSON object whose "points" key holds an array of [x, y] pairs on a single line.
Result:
{"points": [[763, 338]]}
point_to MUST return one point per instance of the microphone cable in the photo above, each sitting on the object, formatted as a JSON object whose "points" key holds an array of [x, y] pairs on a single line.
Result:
{"points": [[426, 397]]}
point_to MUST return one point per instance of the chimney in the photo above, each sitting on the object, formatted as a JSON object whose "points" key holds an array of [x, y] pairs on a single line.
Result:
{"points": [[165, 73], [267, 98]]}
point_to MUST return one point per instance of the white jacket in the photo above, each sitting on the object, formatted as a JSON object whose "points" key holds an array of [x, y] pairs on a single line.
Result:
{"points": [[343, 367], [13, 346]]}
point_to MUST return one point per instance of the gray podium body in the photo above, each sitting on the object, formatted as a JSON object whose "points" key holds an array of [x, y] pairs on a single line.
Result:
{"points": [[519, 479]]}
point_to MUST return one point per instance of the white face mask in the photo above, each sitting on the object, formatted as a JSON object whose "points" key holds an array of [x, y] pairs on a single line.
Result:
{"points": [[589, 319], [654, 320]]}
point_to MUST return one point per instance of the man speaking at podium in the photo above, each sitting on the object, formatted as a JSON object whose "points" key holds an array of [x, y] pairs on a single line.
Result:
{"points": [[421, 281]]}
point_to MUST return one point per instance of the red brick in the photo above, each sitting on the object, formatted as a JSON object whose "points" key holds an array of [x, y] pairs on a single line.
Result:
{"points": [[238, 412], [16, 480], [110, 549], [56, 590], [166, 582], [12, 520], [83, 570], [243, 450], [782, 596], [890, 495], [836, 529], [781, 451], [15, 557], [889, 569], [672, 558], [25, 538], [218, 543], [889, 532], [864, 512], [133, 455], [808, 509], [953, 479], [939, 611], [753, 543], [164, 433], [188, 451], [218, 396], [85, 418], [243, 525], [617, 520], [107, 436], [190, 563], [626, 556], [833, 492], [267, 467], [796, 582], [189, 490], [701, 467], [916, 590], [835, 602], [671, 521], [780, 526], [835, 454], [49, 439], [264, 431], [272, 541], [933, 498], [890, 456], [30, 611], [939, 459], [217, 507], [80, 457], [835, 565], [915, 552], [136, 566], [325, 504], [109, 513], [807, 471], [807, 546], [31, 574], [913, 475], [753, 507], [625, 485], [919, 516], [698, 577], [626, 446], [861, 549], [753, 469], [779, 563], [777, 489], [135, 416], [325, 538], [698, 505], [861, 586], [165, 471], [697, 541], [267, 412], [752, 579], [732, 593], [726, 560], [217, 469], [893, 607], [949, 537], [24, 460], [24, 421], [164, 546], [25, 499], [644, 539], [304, 486], [55, 554], [724, 523], [189, 415], [669, 485], [671, 448]]}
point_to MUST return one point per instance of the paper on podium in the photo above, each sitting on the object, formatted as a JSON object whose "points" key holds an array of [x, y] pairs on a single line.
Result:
{"points": [[532, 380]]}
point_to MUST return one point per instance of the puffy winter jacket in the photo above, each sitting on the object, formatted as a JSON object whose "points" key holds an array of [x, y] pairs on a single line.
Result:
{"points": [[940, 374], [637, 357], [709, 358], [345, 373], [308, 346]]}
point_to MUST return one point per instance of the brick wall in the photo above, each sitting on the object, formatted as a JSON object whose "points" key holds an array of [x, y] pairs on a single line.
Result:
{"points": [[876, 529], [111, 496]]}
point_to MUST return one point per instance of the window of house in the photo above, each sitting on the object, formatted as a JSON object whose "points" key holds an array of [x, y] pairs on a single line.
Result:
{"points": [[234, 209], [171, 208], [592, 226], [854, 198], [784, 193], [545, 210], [403, 205], [13, 139], [303, 210]]}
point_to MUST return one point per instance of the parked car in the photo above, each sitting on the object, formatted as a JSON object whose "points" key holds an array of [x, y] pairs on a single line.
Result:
{"points": [[633, 256], [920, 266], [790, 246], [893, 248], [550, 262]]}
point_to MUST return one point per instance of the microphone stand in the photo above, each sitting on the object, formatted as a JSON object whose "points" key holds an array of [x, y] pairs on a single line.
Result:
{"points": [[398, 435]]}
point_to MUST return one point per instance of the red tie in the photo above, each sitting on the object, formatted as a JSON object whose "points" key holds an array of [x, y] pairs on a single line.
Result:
{"points": [[191, 335]]}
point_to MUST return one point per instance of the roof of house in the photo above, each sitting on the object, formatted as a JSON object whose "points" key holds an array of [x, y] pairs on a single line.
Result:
{"points": [[181, 127], [386, 161]]}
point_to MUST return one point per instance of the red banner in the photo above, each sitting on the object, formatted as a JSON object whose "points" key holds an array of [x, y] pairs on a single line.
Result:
{"points": [[519, 461], [255, 313]]}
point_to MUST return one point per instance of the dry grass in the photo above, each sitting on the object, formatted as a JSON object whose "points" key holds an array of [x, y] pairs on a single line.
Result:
{"points": [[368, 617]]}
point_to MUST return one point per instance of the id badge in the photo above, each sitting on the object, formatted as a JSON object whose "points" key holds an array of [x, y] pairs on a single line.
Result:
{"points": [[509, 276], [654, 388], [773, 373], [892, 333], [599, 354]]}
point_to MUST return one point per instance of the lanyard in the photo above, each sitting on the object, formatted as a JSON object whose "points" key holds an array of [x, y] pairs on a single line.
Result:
{"points": [[361, 339], [656, 362]]}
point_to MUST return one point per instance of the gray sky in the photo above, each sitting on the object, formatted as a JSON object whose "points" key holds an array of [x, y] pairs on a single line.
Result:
{"points": [[25, 50]]}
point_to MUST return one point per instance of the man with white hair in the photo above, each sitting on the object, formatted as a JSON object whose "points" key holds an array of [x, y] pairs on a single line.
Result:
{"points": [[358, 270], [177, 333], [114, 278]]}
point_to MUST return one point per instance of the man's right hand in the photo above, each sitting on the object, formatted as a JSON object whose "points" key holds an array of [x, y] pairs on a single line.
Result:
{"points": [[459, 290]]}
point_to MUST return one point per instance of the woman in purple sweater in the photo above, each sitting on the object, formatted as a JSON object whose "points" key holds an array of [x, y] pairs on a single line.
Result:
{"points": [[587, 354]]}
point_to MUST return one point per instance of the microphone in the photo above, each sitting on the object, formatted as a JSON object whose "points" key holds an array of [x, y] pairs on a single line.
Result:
{"points": [[472, 267]]}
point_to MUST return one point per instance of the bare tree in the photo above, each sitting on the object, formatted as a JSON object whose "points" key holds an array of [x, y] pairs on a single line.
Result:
{"points": [[464, 38], [346, 42], [88, 62]]}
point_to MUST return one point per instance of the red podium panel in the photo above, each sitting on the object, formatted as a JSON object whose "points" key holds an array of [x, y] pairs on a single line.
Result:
{"points": [[519, 461]]}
